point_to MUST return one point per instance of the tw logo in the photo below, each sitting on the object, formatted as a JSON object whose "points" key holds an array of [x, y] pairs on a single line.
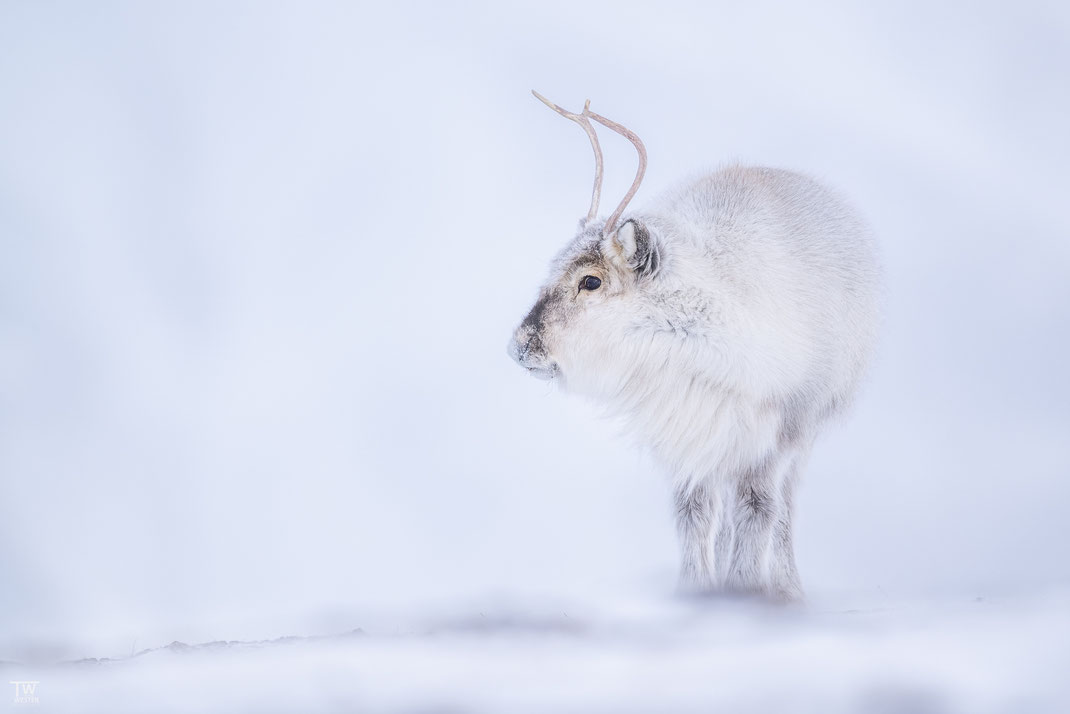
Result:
{"points": [[26, 692]]}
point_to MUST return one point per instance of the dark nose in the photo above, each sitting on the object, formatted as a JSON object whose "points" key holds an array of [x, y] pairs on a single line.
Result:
{"points": [[525, 343], [527, 347]]}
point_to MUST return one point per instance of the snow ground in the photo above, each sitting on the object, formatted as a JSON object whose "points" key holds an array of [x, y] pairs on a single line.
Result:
{"points": [[258, 265], [977, 655]]}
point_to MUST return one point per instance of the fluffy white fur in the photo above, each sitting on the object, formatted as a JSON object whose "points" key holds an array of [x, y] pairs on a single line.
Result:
{"points": [[734, 318]]}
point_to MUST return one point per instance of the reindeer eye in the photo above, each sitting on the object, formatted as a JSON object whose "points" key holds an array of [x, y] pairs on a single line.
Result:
{"points": [[590, 282]]}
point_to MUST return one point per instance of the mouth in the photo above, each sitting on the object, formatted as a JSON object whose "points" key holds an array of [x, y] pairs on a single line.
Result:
{"points": [[542, 372]]}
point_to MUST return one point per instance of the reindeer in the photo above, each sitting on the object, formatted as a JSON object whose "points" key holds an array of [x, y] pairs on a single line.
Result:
{"points": [[724, 326]]}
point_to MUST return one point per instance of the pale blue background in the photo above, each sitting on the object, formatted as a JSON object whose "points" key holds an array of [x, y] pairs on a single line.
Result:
{"points": [[259, 263]]}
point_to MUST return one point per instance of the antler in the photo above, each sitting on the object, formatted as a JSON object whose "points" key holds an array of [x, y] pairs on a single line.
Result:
{"points": [[638, 143], [583, 121]]}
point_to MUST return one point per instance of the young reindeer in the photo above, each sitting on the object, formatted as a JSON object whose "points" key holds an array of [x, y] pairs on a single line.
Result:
{"points": [[725, 324]]}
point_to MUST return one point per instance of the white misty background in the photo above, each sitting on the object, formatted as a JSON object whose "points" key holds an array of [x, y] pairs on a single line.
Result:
{"points": [[259, 264]]}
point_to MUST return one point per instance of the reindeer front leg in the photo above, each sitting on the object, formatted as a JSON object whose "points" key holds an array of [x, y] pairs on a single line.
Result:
{"points": [[696, 519]]}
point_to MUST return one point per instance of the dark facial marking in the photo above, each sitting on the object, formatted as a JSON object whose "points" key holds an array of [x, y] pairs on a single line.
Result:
{"points": [[536, 318]]}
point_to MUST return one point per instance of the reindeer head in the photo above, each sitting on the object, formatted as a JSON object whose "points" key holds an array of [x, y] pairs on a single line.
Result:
{"points": [[574, 331]]}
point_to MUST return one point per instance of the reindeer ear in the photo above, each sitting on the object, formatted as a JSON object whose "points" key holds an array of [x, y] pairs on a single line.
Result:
{"points": [[635, 247]]}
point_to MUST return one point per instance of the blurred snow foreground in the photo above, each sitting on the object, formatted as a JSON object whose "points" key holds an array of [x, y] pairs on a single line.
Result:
{"points": [[959, 656]]}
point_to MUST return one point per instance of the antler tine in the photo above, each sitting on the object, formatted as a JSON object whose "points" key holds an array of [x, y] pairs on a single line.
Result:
{"points": [[584, 122], [634, 138]]}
